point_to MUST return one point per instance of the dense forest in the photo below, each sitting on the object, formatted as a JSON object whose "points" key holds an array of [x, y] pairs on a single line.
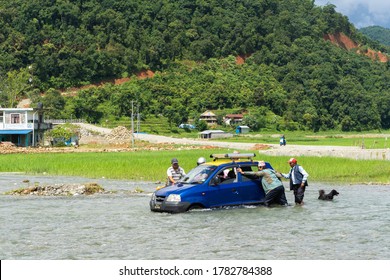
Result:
{"points": [[291, 79], [377, 33]]}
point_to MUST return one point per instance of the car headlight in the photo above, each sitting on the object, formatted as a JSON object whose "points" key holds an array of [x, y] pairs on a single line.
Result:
{"points": [[173, 198], [153, 197]]}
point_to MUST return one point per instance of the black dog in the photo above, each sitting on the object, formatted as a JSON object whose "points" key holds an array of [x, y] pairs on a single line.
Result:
{"points": [[328, 196]]}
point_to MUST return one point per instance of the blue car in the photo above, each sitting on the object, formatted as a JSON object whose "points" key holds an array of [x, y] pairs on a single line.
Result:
{"points": [[211, 185]]}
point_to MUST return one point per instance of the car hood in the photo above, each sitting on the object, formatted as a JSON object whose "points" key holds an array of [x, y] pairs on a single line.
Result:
{"points": [[176, 189]]}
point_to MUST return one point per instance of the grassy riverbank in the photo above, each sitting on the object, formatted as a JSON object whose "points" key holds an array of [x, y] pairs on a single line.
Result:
{"points": [[152, 165]]}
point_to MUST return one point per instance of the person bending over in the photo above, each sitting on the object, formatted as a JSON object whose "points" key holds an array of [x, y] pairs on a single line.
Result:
{"points": [[272, 185]]}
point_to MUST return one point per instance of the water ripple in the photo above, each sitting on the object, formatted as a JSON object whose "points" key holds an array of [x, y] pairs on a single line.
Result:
{"points": [[120, 226]]}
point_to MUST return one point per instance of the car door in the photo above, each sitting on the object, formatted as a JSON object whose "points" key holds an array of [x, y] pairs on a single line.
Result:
{"points": [[250, 188], [223, 190]]}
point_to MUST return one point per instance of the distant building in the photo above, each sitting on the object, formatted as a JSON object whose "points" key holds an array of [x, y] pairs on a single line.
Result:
{"points": [[22, 126], [233, 118], [241, 129], [209, 134], [209, 117]]}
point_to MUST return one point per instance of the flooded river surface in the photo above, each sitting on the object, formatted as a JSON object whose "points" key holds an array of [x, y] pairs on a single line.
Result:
{"points": [[355, 226]]}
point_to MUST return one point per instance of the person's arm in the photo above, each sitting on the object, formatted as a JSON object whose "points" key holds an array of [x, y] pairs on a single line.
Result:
{"points": [[182, 173], [305, 175], [278, 174], [170, 178], [258, 173], [286, 176]]}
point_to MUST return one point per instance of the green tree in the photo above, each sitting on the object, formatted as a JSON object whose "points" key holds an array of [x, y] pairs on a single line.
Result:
{"points": [[200, 125], [54, 104], [14, 86]]}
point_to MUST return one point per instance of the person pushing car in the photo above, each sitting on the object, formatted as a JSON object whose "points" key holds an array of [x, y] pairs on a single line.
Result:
{"points": [[272, 185]]}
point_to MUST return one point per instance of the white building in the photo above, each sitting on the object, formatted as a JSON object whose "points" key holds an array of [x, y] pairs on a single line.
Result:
{"points": [[208, 134], [22, 126]]}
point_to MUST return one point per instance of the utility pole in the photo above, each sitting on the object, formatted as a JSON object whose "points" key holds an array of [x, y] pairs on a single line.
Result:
{"points": [[33, 132], [132, 124], [138, 119]]}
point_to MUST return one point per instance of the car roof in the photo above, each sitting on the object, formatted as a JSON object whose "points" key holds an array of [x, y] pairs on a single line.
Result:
{"points": [[221, 162], [219, 159]]}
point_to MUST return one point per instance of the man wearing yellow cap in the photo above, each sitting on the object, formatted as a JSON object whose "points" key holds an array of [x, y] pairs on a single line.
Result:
{"points": [[298, 180]]}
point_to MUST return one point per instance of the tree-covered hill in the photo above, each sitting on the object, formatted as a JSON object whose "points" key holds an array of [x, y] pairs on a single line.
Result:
{"points": [[70, 42], [292, 78], [377, 33]]}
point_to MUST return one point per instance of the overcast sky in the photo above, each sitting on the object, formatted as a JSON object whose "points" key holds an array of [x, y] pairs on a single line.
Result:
{"points": [[362, 13]]}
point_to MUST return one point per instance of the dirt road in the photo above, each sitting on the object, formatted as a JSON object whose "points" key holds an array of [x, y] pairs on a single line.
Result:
{"points": [[289, 150], [331, 151]]}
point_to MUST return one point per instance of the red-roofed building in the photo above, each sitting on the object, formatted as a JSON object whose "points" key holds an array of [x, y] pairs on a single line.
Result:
{"points": [[233, 118]]}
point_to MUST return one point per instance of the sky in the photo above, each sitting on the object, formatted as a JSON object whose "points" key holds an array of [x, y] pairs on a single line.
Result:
{"points": [[362, 13]]}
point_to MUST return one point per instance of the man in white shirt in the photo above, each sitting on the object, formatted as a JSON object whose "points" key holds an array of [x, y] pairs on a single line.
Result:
{"points": [[174, 172], [298, 180]]}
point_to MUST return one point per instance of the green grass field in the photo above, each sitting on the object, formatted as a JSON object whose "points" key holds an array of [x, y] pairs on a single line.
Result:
{"points": [[152, 165]]}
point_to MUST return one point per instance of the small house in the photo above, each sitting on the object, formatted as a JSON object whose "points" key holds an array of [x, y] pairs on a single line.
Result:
{"points": [[233, 118], [209, 117], [210, 134], [241, 129]]}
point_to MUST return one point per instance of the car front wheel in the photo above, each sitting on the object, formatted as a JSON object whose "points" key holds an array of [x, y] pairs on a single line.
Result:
{"points": [[195, 207]]}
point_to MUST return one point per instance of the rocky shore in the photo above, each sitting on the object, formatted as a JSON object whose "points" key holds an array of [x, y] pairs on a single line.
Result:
{"points": [[60, 190]]}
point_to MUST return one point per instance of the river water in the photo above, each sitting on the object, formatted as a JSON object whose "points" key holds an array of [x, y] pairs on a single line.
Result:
{"points": [[354, 226]]}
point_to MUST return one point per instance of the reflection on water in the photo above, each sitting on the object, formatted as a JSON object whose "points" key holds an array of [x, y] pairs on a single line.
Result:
{"points": [[355, 225]]}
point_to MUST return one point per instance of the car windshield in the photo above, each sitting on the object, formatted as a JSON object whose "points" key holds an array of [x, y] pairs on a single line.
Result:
{"points": [[198, 175]]}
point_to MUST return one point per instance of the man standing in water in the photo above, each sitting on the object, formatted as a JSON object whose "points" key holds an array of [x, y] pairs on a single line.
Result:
{"points": [[298, 180], [273, 187], [174, 172]]}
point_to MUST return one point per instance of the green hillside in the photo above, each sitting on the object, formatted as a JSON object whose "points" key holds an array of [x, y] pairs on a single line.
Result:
{"points": [[377, 33], [292, 79], [70, 43]]}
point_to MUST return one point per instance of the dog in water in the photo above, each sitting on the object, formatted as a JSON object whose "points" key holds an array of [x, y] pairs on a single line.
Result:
{"points": [[328, 196]]}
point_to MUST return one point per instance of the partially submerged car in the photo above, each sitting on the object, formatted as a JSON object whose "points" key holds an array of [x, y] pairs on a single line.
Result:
{"points": [[211, 185]]}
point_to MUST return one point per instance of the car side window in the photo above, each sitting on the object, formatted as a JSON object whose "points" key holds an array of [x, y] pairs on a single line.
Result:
{"points": [[249, 168], [226, 176], [229, 176]]}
